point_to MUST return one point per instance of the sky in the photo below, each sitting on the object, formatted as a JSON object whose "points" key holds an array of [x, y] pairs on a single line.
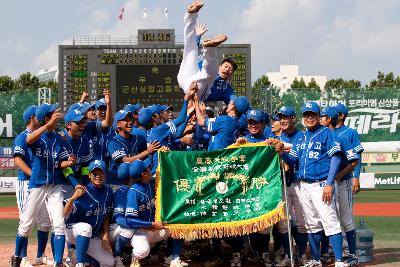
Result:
{"points": [[351, 39]]}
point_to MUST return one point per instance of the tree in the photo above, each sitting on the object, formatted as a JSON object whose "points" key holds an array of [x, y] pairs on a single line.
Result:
{"points": [[49, 84], [296, 84], [27, 81], [385, 81], [258, 89], [314, 86], [6, 83]]}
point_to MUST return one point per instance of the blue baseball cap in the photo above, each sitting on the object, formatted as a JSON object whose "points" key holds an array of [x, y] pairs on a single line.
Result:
{"points": [[340, 108], [311, 107], [137, 168], [131, 108], [75, 106], [255, 115], [123, 171], [275, 117], [29, 113], [100, 103], [144, 117], [156, 109], [119, 116], [86, 106], [241, 104], [44, 109], [286, 111], [331, 112], [97, 164], [73, 116], [266, 116]]}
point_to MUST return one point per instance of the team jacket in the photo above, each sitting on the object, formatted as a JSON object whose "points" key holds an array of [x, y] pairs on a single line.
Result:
{"points": [[92, 208], [120, 147], [21, 148], [47, 153]]}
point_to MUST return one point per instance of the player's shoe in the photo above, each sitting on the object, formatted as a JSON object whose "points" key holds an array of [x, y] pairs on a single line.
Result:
{"points": [[302, 260], [135, 262], [44, 260], [346, 253], [266, 260], [285, 262], [313, 263], [168, 260], [326, 258], [80, 265], [352, 260], [25, 262], [177, 263], [339, 264], [60, 264], [15, 261], [236, 261], [119, 262], [217, 40], [195, 7]]}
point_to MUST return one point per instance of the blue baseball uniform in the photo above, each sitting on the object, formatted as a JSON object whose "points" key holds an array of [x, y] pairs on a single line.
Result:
{"points": [[221, 90], [120, 147], [293, 139], [47, 154], [314, 152], [120, 198], [79, 147], [140, 205], [224, 129], [99, 139], [92, 208], [21, 148]]}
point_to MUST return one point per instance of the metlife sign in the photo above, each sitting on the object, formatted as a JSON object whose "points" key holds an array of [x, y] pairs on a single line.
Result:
{"points": [[6, 125]]}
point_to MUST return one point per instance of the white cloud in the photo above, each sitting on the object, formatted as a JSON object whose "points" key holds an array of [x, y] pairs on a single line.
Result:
{"points": [[16, 47], [334, 39]]}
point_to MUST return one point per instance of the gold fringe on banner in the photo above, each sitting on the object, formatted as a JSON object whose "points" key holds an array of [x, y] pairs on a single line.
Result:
{"points": [[224, 229]]}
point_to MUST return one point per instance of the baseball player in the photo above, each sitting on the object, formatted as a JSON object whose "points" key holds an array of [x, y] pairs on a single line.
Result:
{"points": [[224, 128], [125, 147], [120, 232], [211, 79], [45, 183], [87, 218], [78, 146], [318, 160], [255, 124], [23, 160], [349, 160], [291, 136], [140, 211]]}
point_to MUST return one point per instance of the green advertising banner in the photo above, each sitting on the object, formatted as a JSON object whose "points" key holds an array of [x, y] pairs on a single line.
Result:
{"points": [[227, 192], [374, 113], [387, 180]]}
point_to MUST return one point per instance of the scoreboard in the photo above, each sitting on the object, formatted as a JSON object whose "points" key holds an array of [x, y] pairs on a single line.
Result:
{"points": [[143, 71]]}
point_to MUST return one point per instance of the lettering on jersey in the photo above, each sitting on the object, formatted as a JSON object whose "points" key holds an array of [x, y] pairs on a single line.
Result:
{"points": [[142, 207], [313, 155], [318, 145]]}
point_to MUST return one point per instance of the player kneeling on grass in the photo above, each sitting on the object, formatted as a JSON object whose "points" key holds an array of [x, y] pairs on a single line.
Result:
{"points": [[140, 210], [87, 216]]}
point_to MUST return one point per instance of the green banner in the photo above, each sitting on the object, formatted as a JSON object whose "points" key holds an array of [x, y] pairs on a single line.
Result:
{"points": [[227, 192], [387, 180]]}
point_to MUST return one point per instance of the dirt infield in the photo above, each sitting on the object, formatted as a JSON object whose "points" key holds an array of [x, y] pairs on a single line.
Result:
{"points": [[376, 209], [360, 209], [386, 254]]}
